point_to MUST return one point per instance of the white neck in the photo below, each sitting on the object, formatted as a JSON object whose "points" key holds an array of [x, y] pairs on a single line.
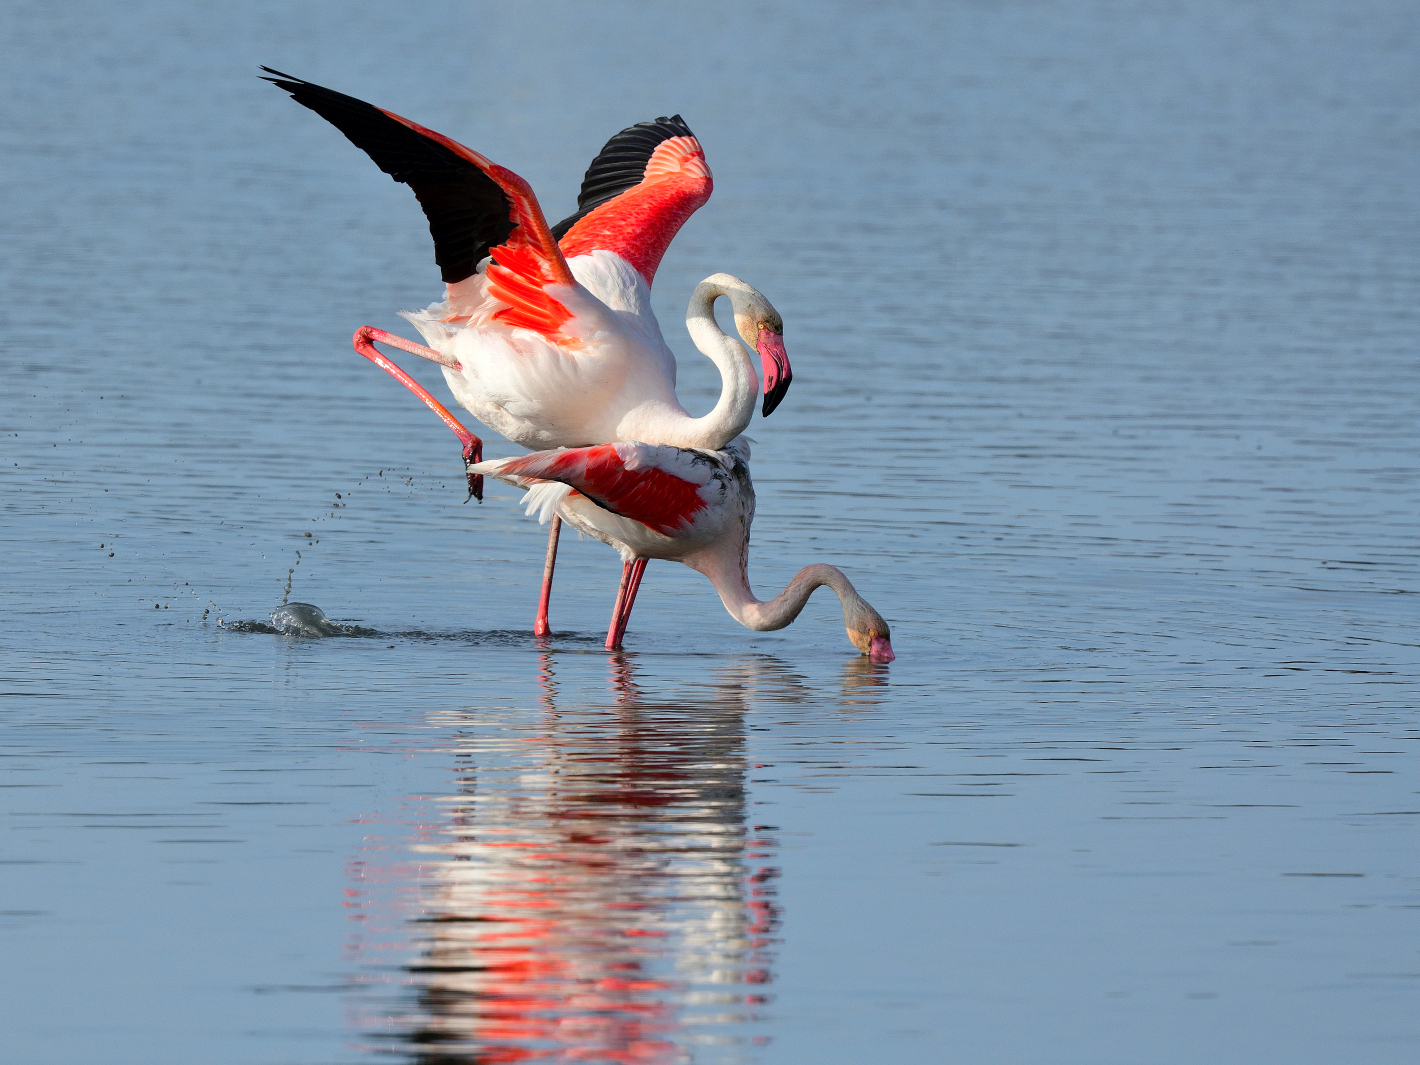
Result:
{"points": [[739, 384]]}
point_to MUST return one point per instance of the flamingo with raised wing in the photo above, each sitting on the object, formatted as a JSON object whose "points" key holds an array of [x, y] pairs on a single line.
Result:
{"points": [[660, 501], [556, 345]]}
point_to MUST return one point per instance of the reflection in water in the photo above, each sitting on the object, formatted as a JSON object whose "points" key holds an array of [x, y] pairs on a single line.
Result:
{"points": [[863, 684], [596, 895]]}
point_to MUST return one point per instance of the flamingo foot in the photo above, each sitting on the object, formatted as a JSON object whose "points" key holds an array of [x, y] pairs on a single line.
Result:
{"points": [[541, 628], [472, 445]]}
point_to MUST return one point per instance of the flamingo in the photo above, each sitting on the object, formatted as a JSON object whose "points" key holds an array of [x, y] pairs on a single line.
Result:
{"points": [[661, 501], [546, 334], [689, 505]]}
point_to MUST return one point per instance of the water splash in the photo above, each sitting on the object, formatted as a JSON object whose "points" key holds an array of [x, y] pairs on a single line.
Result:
{"points": [[290, 576], [305, 619]]}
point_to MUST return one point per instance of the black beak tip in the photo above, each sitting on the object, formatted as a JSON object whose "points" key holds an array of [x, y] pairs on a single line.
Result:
{"points": [[775, 395]]}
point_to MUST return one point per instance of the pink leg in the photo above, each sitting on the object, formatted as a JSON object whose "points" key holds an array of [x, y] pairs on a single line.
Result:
{"points": [[472, 445], [541, 628], [369, 332], [612, 637], [625, 600]]}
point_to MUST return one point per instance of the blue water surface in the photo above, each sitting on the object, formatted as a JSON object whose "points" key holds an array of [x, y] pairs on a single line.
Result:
{"points": [[1105, 326]]}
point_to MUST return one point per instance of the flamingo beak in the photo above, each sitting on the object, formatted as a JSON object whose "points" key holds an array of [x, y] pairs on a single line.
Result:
{"points": [[880, 650], [774, 362]]}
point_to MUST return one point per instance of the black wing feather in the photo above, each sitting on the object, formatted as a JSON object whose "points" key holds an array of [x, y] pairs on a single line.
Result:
{"points": [[621, 165], [468, 213]]}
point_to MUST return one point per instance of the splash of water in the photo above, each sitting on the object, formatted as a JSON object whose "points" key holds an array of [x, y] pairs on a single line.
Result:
{"points": [[290, 575], [305, 619]]}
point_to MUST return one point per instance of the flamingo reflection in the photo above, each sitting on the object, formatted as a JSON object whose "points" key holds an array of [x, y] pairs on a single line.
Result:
{"points": [[597, 896]]}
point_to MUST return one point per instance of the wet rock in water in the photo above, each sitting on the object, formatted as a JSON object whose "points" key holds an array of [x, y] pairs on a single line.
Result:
{"points": [[304, 619]]}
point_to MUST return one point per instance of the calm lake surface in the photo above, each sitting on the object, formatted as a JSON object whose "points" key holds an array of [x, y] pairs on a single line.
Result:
{"points": [[1105, 325]]}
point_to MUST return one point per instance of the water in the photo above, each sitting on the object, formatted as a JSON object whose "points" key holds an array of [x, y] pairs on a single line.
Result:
{"points": [[1104, 327]]}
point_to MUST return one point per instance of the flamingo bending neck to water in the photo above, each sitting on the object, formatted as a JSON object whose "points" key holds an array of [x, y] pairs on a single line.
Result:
{"points": [[691, 506], [546, 334]]}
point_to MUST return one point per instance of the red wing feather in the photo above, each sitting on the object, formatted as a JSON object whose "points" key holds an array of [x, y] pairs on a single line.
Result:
{"points": [[528, 259], [655, 497], [637, 194], [475, 207]]}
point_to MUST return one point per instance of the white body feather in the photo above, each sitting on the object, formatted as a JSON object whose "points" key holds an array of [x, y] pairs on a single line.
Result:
{"points": [[616, 383]]}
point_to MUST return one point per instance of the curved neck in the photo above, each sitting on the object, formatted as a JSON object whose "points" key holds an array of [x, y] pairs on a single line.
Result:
{"points": [[728, 575], [739, 385]]}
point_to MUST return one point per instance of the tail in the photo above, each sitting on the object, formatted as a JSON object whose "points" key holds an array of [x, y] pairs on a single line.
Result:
{"points": [[543, 496], [544, 499]]}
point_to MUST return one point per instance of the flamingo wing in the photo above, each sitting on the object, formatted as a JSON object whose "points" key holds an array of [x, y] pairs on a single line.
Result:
{"points": [[658, 485], [475, 207], [637, 193]]}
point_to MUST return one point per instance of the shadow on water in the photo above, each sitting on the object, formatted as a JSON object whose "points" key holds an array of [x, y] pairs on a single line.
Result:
{"points": [[592, 889]]}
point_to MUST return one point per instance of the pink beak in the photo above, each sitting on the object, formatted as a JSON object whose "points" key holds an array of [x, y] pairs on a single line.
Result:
{"points": [[774, 362], [880, 650]]}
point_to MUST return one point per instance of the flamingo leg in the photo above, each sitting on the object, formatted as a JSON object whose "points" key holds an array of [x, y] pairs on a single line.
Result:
{"points": [[472, 445], [371, 333], [626, 598], [612, 643], [541, 628]]}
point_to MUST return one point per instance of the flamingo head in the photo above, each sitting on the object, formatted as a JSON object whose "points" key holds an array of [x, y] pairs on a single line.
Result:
{"points": [[762, 328], [870, 633]]}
